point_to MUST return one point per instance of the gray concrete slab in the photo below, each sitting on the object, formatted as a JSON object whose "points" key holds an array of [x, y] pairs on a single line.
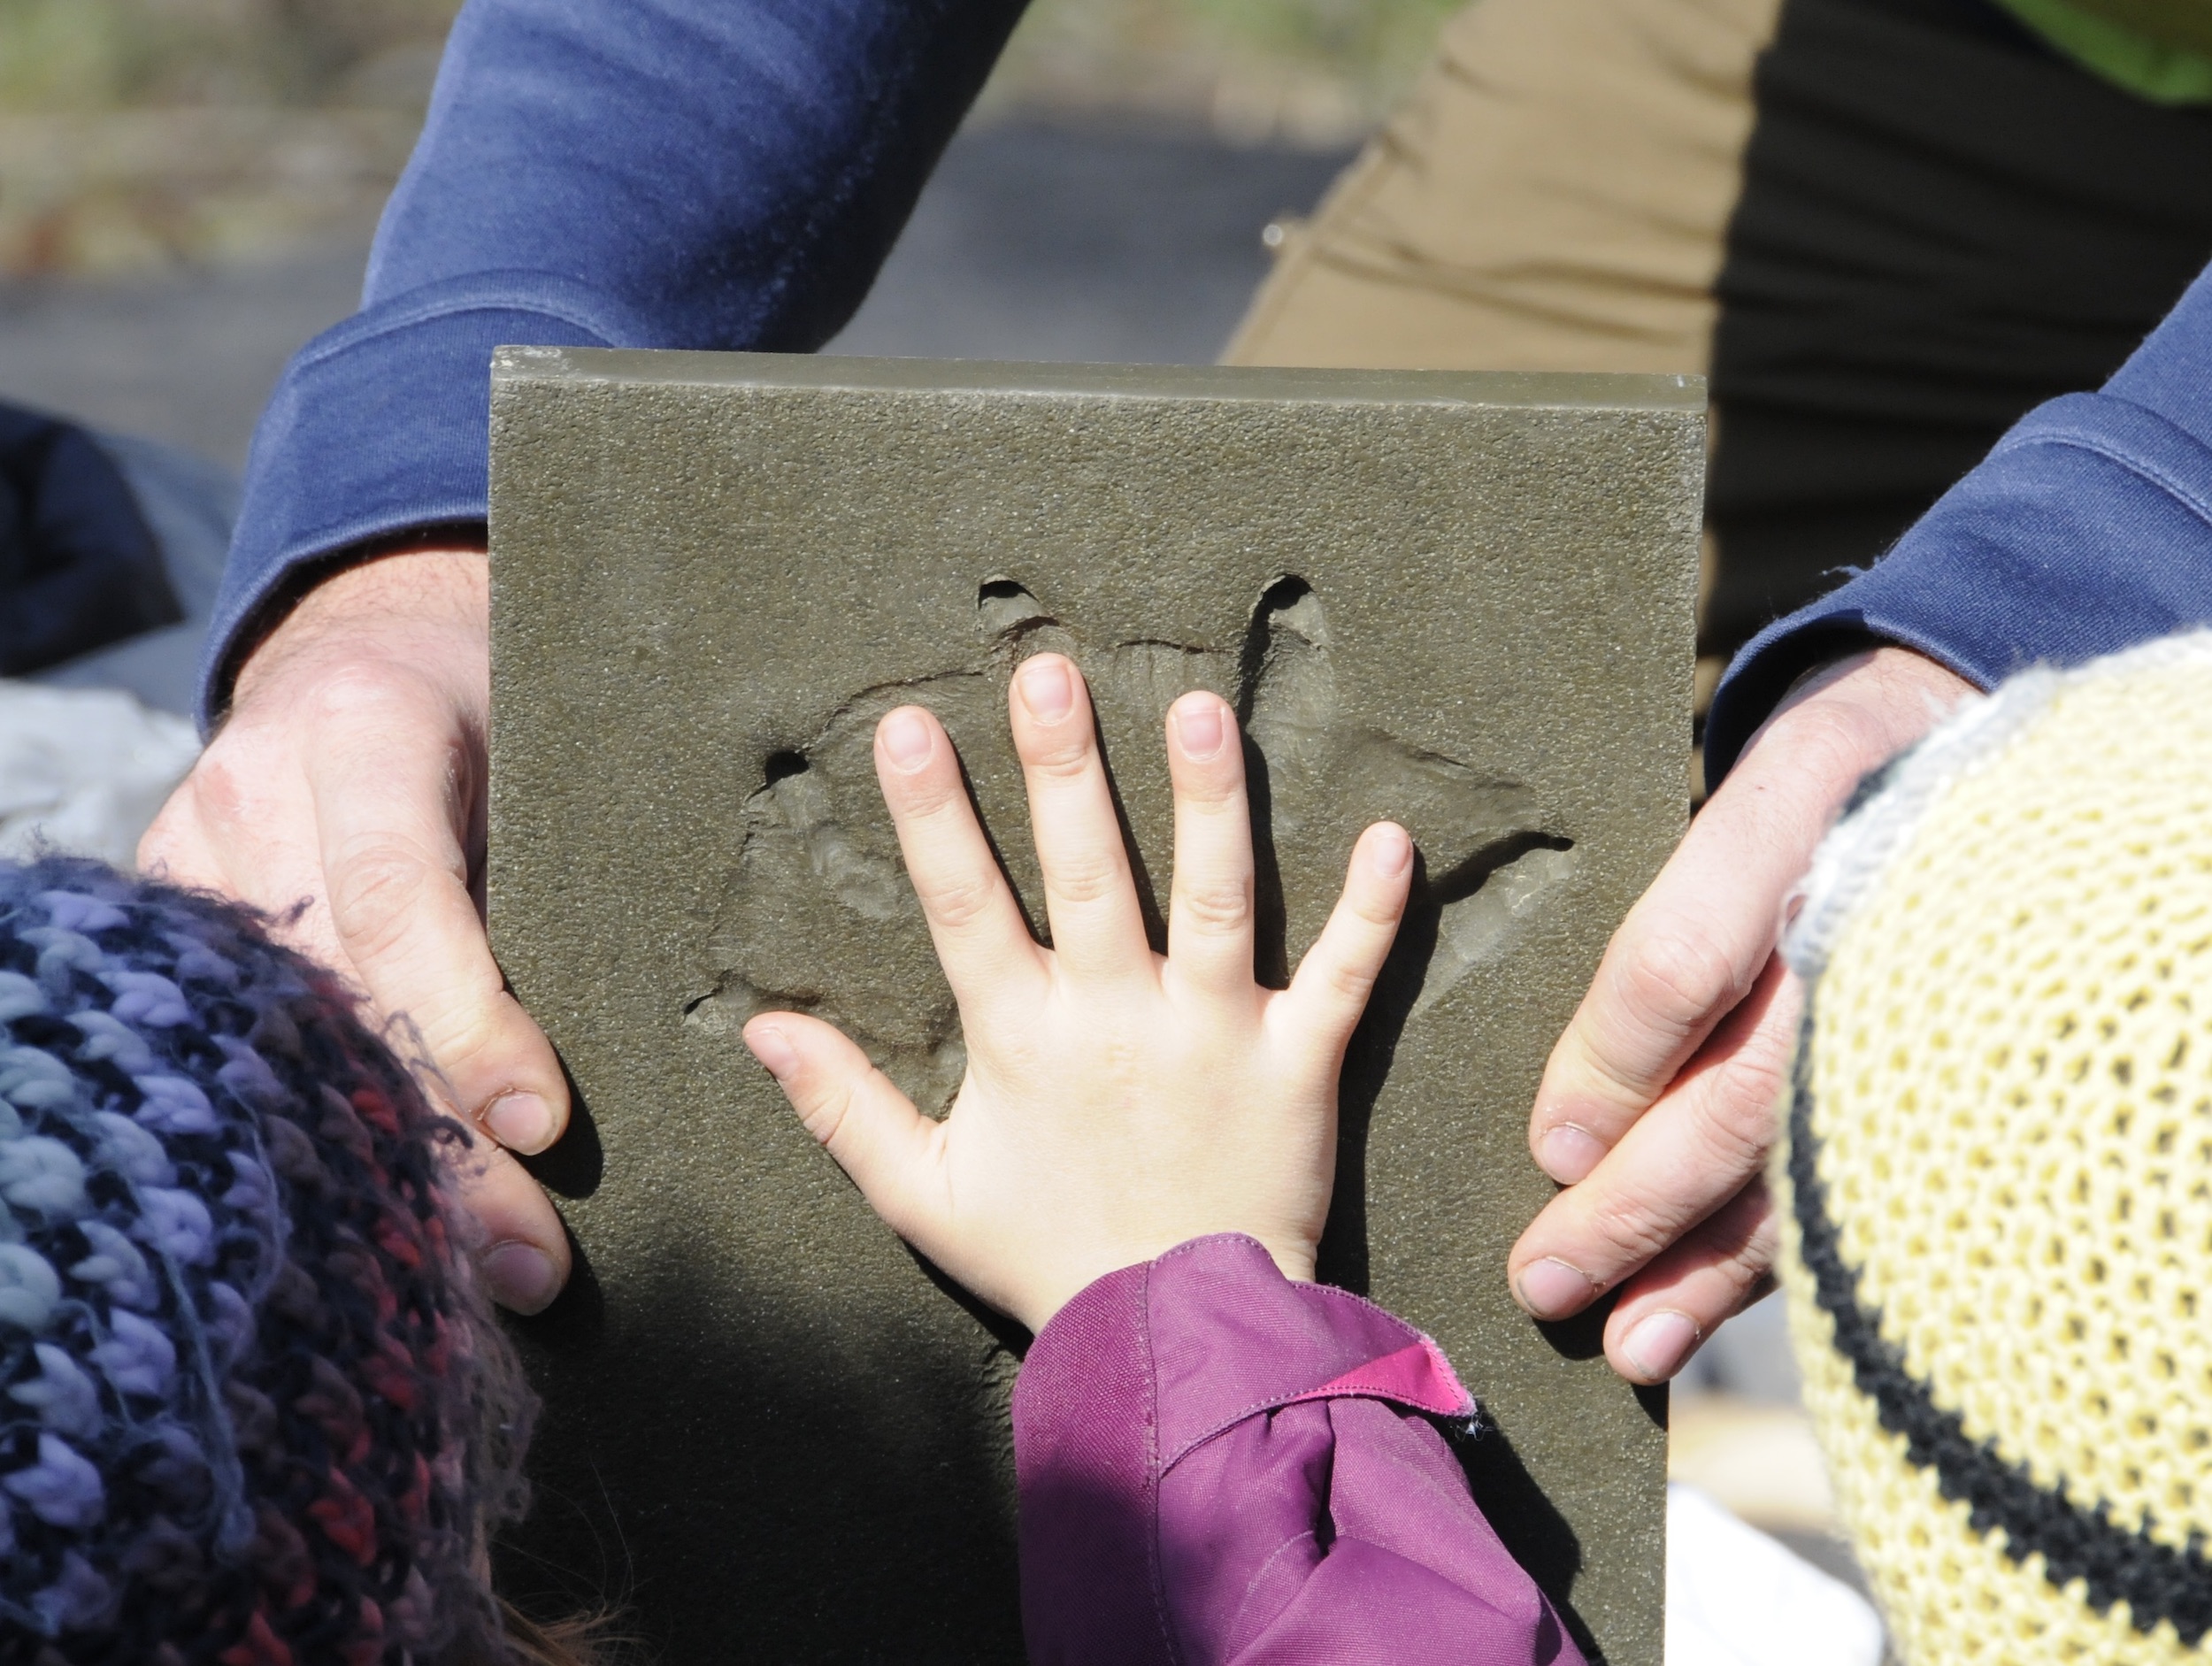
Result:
{"points": [[1463, 601]]}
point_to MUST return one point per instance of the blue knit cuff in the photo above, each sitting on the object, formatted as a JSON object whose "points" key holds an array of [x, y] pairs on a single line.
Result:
{"points": [[2088, 530], [380, 426]]}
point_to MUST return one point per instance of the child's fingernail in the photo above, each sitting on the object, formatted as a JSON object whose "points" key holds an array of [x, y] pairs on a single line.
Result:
{"points": [[1199, 728], [1046, 688], [1551, 1288], [521, 1277], [772, 1047], [907, 741], [1662, 1343], [1391, 851], [521, 1122], [1568, 1153]]}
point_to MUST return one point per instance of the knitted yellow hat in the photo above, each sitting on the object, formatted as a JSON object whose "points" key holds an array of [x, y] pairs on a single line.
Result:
{"points": [[1996, 1184]]}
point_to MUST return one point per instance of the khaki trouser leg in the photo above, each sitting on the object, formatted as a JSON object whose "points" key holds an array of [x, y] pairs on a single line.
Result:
{"points": [[1554, 196]]}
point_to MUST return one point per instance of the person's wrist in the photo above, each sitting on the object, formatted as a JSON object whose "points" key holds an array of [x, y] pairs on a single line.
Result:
{"points": [[1851, 714], [1297, 1263], [1038, 1308], [403, 587]]}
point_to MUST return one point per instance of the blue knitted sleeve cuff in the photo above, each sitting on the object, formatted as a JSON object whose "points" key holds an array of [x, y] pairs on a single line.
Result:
{"points": [[380, 426], [2089, 529], [693, 173]]}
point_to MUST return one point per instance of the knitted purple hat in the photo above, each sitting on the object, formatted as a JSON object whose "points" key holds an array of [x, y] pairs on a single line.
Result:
{"points": [[253, 1409]]}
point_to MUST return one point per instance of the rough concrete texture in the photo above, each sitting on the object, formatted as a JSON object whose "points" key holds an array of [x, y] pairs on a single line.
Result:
{"points": [[1461, 601]]}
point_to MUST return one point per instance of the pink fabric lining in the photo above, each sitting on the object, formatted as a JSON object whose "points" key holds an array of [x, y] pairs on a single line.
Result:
{"points": [[1417, 1375]]}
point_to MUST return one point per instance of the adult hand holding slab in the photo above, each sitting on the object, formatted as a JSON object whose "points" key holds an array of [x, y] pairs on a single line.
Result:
{"points": [[1657, 1109], [343, 795], [1118, 1103]]}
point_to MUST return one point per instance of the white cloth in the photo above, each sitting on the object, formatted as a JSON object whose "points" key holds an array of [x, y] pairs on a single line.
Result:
{"points": [[84, 770], [1736, 1597]]}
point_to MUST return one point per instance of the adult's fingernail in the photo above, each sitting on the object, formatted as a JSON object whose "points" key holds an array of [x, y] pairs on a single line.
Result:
{"points": [[1552, 1288], [1662, 1343], [772, 1047], [1198, 725], [906, 740], [1569, 1152], [521, 1122], [1046, 688], [521, 1278]]}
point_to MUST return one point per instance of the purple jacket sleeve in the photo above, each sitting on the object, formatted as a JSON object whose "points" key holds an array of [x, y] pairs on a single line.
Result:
{"points": [[1218, 1464], [2088, 529]]}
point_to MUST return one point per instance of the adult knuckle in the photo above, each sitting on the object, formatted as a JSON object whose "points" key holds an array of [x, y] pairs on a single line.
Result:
{"points": [[377, 890], [1747, 1267], [466, 1048], [1739, 1263], [1679, 977], [1738, 1122], [1631, 1231], [357, 693]]}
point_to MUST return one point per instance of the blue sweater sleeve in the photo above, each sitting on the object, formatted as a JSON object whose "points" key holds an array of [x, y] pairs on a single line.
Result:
{"points": [[2086, 530], [698, 174]]}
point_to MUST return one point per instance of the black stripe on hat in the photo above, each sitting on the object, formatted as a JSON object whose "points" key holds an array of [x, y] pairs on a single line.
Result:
{"points": [[2156, 1581]]}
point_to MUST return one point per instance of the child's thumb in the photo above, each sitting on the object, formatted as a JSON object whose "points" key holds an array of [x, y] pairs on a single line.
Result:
{"points": [[846, 1102]]}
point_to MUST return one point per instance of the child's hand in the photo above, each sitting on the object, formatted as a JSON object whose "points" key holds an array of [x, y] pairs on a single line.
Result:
{"points": [[1117, 1104]]}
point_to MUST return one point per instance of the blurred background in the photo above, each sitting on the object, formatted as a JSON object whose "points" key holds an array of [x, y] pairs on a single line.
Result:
{"points": [[187, 186], [188, 189]]}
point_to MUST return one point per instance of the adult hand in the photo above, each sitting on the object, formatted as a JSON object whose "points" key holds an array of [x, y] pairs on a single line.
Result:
{"points": [[1658, 1107], [1118, 1103], [345, 796]]}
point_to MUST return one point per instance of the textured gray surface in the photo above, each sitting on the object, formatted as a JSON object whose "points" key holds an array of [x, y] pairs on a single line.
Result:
{"points": [[1461, 601]]}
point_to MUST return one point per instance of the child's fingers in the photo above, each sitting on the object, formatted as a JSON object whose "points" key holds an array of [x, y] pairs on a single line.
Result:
{"points": [[887, 1147], [981, 938], [1325, 999], [1210, 912], [1097, 933]]}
